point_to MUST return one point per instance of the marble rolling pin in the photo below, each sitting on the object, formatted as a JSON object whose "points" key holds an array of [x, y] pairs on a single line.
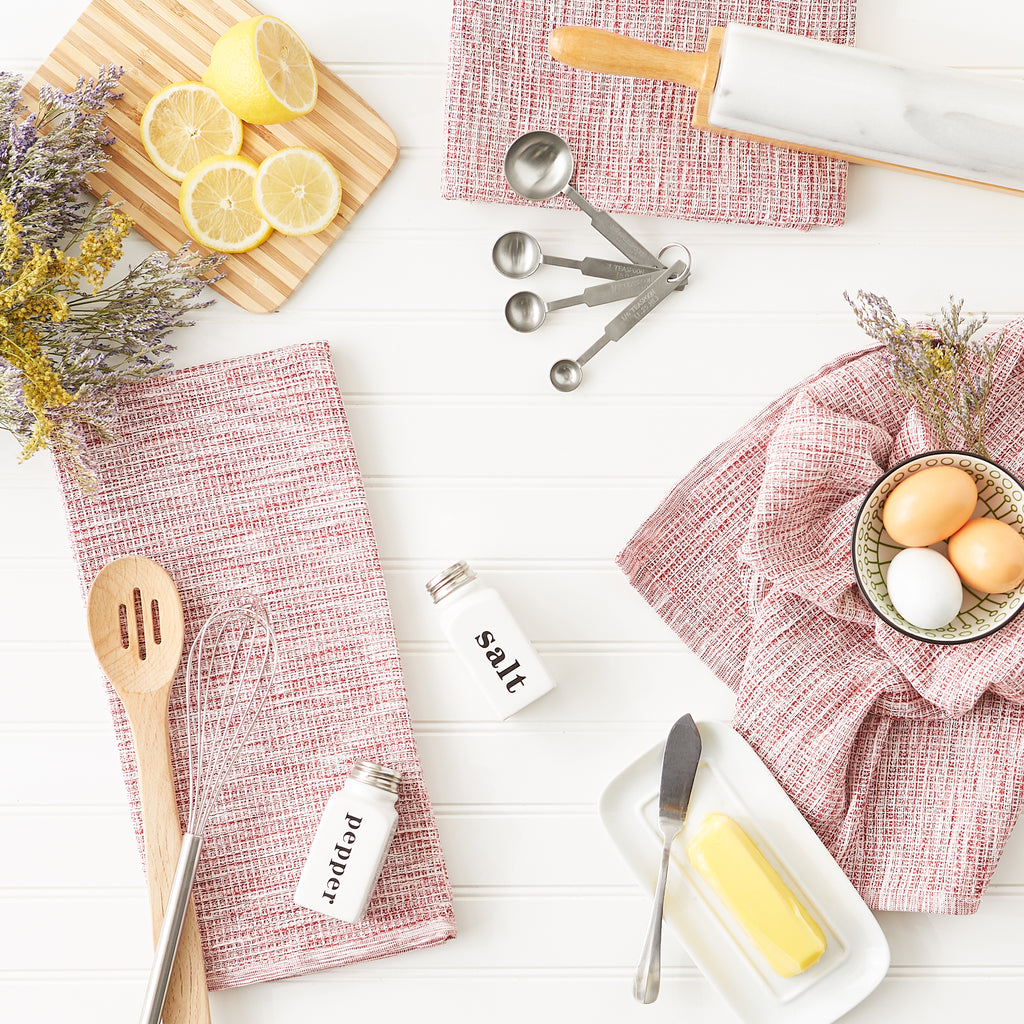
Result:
{"points": [[829, 99]]}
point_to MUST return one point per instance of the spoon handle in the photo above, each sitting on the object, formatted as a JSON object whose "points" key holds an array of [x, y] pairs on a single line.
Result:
{"points": [[654, 294], [660, 287], [614, 232], [186, 1001], [592, 266], [562, 261], [610, 291], [623, 288]]}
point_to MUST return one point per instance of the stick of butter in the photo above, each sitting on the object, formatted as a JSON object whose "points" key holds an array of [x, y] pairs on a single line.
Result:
{"points": [[778, 923]]}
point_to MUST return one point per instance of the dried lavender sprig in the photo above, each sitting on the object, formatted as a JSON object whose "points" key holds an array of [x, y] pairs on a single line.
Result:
{"points": [[119, 336], [127, 322], [102, 338], [938, 366], [48, 155]]}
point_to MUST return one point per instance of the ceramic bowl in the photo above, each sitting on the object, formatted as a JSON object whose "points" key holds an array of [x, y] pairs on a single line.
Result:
{"points": [[999, 496]]}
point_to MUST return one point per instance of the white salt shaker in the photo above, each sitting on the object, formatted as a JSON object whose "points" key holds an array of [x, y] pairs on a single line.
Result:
{"points": [[488, 640], [351, 843]]}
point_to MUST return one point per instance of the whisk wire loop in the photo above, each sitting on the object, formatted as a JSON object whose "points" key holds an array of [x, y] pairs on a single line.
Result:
{"points": [[230, 665]]}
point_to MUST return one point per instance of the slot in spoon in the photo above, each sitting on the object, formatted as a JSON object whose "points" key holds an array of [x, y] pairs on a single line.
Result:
{"points": [[539, 166], [567, 374], [526, 311]]}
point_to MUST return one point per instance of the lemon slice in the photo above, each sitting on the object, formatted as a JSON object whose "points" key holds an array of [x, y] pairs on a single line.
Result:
{"points": [[186, 123], [262, 71], [297, 191], [217, 208]]}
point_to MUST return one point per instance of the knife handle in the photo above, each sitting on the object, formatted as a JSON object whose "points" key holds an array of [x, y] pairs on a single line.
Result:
{"points": [[647, 980], [594, 49]]}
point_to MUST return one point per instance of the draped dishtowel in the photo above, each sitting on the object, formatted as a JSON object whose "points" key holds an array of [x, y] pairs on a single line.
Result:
{"points": [[240, 477], [907, 758]]}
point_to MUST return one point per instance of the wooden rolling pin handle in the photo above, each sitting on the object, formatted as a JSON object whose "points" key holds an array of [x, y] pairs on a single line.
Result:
{"points": [[594, 49], [187, 1000]]}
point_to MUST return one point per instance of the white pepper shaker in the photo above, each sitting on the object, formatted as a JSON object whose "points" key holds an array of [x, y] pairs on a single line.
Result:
{"points": [[488, 640], [351, 843]]}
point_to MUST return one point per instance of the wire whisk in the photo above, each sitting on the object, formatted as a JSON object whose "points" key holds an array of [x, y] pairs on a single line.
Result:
{"points": [[231, 664], [229, 675]]}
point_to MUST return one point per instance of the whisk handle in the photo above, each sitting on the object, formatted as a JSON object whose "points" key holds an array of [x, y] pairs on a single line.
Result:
{"points": [[170, 930]]}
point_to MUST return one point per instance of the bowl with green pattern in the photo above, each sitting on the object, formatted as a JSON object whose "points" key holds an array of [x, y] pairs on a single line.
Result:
{"points": [[1000, 496]]}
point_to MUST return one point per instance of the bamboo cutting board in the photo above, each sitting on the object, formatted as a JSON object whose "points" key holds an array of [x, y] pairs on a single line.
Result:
{"points": [[163, 41]]}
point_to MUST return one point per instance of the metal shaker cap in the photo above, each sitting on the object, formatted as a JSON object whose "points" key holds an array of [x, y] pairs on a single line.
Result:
{"points": [[445, 583], [375, 775]]}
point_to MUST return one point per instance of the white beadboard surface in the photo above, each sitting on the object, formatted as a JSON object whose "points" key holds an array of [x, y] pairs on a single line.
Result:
{"points": [[468, 453]]}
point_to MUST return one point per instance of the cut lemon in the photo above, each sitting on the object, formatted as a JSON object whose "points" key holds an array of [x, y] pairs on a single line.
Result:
{"points": [[262, 71], [185, 124], [217, 208], [297, 191]]}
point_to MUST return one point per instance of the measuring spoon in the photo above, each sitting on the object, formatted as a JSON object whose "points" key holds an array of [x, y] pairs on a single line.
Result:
{"points": [[137, 631], [567, 374], [526, 311], [517, 254], [539, 166]]}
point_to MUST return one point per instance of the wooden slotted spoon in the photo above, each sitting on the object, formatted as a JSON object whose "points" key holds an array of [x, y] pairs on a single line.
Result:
{"points": [[137, 630]]}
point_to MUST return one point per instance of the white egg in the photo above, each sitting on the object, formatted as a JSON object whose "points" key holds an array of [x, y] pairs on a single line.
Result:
{"points": [[924, 588]]}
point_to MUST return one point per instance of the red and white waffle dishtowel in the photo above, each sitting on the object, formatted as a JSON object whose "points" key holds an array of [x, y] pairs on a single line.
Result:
{"points": [[240, 477], [907, 758], [635, 150]]}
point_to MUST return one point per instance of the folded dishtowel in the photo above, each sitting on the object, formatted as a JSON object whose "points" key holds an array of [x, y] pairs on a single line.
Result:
{"points": [[634, 147], [241, 477], [904, 756]]}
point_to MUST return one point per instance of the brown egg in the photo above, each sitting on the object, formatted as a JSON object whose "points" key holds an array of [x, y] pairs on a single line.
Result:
{"points": [[929, 506], [988, 555]]}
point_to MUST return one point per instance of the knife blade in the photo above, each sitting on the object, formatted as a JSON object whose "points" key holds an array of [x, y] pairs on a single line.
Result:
{"points": [[678, 768], [833, 100]]}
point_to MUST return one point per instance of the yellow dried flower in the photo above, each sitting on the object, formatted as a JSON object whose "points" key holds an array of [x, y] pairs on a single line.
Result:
{"points": [[60, 310], [12, 234], [42, 388], [68, 337], [31, 295], [940, 360]]}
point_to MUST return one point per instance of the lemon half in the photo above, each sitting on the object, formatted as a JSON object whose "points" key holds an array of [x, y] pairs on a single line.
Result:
{"points": [[297, 191], [185, 124], [262, 71], [217, 207]]}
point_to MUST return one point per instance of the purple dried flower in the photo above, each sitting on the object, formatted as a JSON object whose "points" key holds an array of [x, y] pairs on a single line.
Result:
{"points": [[937, 365], [113, 334]]}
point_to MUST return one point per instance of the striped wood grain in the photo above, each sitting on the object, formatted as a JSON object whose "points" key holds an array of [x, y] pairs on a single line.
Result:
{"points": [[163, 41]]}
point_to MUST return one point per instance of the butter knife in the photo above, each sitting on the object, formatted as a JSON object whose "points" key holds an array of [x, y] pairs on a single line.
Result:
{"points": [[682, 755]]}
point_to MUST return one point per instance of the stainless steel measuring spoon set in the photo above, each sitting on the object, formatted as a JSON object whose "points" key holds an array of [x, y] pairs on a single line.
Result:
{"points": [[539, 166]]}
